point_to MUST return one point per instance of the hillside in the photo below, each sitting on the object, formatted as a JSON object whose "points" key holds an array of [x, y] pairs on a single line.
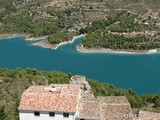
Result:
{"points": [[114, 24], [124, 31], [14, 82], [60, 20]]}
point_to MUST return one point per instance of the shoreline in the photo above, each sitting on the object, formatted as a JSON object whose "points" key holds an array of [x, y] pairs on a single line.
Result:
{"points": [[43, 43], [27, 36], [81, 49], [46, 44], [36, 38], [12, 35]]}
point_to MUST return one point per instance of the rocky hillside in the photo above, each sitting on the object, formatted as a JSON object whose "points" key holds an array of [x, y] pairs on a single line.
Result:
{"points": [[14, 82]]}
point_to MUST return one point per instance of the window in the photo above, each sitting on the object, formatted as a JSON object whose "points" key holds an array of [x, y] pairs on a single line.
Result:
{"points": [[36, 113], [65, 114], [52, 114]]}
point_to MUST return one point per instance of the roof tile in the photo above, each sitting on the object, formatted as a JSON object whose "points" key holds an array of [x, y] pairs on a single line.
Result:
{"points": [[41, 98]]}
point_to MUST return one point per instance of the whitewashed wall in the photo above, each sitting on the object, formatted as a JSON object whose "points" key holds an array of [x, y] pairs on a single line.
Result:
{"points": [[29, 115]]}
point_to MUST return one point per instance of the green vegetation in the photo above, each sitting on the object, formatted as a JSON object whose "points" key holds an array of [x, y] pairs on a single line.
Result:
{"points": [[105, 39], [7, 4], [23, 23], [47, 22], [130, 24], [14, 82], [121, 22], [60, 37], [2, 113], [136, 101], [31, 17], [103, 24], [35, 18], [109, 34]]}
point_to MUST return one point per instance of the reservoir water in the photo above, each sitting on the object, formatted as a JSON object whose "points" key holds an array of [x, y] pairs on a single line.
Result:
{"points": [[139, 72]]}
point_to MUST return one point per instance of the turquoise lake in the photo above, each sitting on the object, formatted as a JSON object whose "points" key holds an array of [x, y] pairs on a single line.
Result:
{"points": [[140, 72]]}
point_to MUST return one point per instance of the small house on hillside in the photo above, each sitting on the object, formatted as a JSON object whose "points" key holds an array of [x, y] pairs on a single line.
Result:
{"points": [[58, 102], [73, 101]]}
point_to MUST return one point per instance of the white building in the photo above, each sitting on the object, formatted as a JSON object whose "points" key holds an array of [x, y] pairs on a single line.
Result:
{"points": [[54, 102], [69, 102]]}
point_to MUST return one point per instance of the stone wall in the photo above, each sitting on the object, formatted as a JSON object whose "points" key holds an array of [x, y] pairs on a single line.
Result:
{"points": [[86, 91]]}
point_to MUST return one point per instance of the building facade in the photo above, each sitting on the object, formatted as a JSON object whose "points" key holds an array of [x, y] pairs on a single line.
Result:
{"points": [[45, 115]]}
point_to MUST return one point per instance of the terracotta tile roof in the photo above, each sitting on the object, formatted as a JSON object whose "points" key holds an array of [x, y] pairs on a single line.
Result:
{"points": [[103, 108], [146, 115], [118, 100], [88, 109], [114, 107], [61, 97]]}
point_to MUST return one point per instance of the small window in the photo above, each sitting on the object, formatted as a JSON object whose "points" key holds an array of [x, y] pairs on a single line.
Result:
{"points": [[36, 113], [65, 114], [52, 114]]}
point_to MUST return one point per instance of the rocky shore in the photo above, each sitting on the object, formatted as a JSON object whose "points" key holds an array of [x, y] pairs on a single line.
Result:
{"points": [[80, 48], [27, 36], [12, 35], [46, 44], [36, 38]]}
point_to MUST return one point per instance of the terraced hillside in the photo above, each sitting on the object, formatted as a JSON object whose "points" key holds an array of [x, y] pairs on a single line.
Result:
{"points": [[50, 17]]}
